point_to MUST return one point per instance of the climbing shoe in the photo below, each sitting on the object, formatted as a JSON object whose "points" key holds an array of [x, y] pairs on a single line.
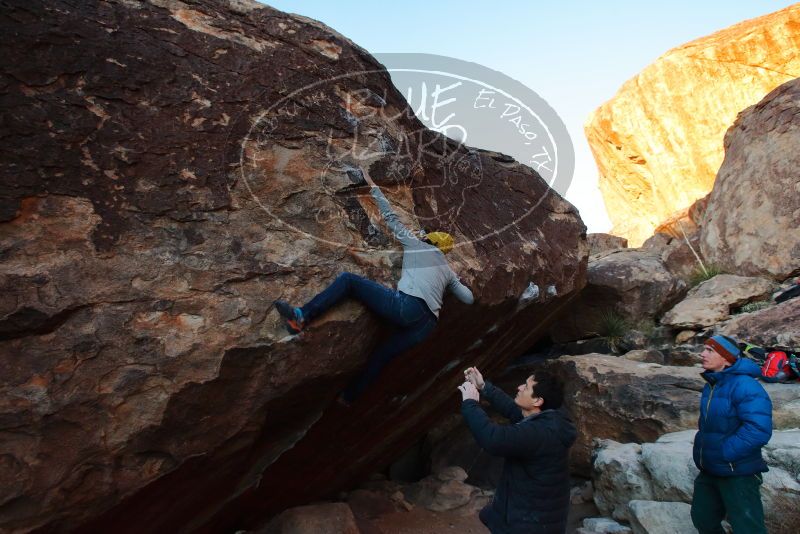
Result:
{"points": [[293, 316]]}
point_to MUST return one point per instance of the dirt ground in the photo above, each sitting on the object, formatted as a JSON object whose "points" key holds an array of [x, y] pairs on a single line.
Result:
{"points": [[422, 521]]}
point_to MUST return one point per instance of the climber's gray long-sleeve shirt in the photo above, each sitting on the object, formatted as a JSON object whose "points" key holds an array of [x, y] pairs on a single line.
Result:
{"points": [[426, 273]]}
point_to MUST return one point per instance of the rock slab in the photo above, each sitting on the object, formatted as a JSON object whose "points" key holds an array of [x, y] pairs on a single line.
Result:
{"points": [[713, 301]]}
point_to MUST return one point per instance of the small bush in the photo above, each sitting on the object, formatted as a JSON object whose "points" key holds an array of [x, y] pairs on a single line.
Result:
{"points": [[754, 306], [613, 327], [700, 275]]}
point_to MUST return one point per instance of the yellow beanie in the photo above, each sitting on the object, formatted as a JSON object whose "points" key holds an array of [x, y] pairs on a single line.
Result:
{"points": [[442, 240]]}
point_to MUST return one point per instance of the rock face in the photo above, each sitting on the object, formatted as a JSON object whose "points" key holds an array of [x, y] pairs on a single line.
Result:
{"points": [[713, 301], [619, 477], [602, 525], [776, 325], [171, 168], [685, 223], [651, 517], [659, 142], [445, 490], [329, 517], [632, 283], [681, 256], [453, 444], [610, 397], [753, 213], [663, 473], [603, 242], [628, 401]]}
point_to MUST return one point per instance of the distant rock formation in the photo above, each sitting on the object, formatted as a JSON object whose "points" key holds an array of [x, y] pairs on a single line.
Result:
{"points": [[659, 142], [752, 222], [168, 170], [603, 242]]}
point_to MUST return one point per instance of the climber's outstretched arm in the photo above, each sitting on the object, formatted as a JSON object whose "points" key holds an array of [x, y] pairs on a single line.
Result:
{"points": [[400, 232]]}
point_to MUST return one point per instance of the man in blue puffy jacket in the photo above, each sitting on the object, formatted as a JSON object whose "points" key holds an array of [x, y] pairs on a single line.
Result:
{"points": [[735, 422]]}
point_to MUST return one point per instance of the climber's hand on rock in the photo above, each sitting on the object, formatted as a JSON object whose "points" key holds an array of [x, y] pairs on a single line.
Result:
{"points": [[469, 391], [475, 377]]}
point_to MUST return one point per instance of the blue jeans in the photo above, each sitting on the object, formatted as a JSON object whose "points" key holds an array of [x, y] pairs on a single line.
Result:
{"points": [[412, 317]]}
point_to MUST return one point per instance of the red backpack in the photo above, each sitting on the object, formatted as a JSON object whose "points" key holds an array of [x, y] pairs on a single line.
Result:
{"points": [[776, 367]]}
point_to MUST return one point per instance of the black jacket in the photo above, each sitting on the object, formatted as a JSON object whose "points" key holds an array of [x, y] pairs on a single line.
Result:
{"points": [[532, 496]]}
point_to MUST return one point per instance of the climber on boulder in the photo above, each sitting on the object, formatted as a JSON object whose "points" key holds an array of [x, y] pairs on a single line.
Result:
{"points": [[413, 308]]}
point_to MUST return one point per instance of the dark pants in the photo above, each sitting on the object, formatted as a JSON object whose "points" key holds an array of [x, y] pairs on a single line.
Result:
{"points": [[485, 516], [738, 498], [412, 317]]}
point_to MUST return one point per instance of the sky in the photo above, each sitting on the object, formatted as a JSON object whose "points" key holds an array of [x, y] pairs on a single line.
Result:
{"points": [[574, 54]]}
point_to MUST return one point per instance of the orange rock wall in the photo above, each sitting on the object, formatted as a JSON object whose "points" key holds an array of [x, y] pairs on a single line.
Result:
{"points": [[659, 142]]}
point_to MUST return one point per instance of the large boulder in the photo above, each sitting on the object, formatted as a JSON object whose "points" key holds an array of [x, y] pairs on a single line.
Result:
{"points": [[602, 242], [633, 284], [751, 222], [671, 470], [171, 168], [619, 477], [783, 451], [441, 506], [785, 405], [664, 471], [328, 517], [775, 325], [628, 401], [680, 254], [685, 223], [658, 142], [445, 490], [602, 525], [712, 301], [653, 517]]}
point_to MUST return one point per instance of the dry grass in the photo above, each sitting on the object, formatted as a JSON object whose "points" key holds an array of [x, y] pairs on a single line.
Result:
{"points": [[702, 273], [613, 327], [755, 306]]}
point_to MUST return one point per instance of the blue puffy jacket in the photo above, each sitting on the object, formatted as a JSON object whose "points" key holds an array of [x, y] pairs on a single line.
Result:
{"points": [[735, 422]]}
